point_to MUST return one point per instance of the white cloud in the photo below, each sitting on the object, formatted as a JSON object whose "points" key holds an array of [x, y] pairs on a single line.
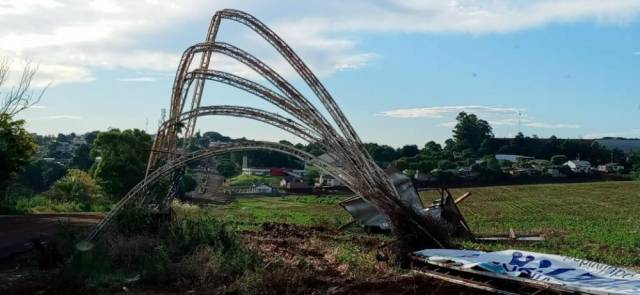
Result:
{"points": [[495, 115], [636, 53], [439, 112], [76, 37], [139, 79], [60, 117], [449, 124], [552, 125]]}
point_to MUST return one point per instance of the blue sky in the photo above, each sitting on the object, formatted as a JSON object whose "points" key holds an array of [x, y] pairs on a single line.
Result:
{"points": [[400, 70]]}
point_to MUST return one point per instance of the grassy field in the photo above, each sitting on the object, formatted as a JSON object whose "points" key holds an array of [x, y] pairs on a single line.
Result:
{"points": [[597, 221], [299, 210]]}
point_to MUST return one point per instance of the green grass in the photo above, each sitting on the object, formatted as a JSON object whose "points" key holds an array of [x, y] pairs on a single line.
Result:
{"points": [[597, 221], [42, 204], [243, 180], [305, 210]]}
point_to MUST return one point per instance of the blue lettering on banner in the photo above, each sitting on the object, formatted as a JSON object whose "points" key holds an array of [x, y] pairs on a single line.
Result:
{"points": [[553, 269]]}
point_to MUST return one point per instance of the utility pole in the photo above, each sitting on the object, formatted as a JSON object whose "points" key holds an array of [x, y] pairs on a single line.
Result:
{"points": [[519, 121]]}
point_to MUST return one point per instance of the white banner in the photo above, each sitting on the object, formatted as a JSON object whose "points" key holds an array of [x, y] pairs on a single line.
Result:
{"points": [[573, 273]]}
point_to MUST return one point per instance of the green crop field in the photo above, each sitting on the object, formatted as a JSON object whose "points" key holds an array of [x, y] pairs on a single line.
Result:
{"points": [[597, 221], [300, 210]]}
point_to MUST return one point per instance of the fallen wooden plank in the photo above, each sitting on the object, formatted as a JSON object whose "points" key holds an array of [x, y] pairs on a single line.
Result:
{"points": [[461, 281], [461, 198]]}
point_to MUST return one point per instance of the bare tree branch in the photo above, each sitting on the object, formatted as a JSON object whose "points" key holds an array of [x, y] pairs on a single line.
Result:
{"points": [[21, 96]]}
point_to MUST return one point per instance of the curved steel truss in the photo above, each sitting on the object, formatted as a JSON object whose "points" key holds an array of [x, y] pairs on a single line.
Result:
{"points": [[333, 134]]}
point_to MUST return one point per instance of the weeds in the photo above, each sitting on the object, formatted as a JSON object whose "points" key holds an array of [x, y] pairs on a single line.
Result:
{"points": [[357, 260], [313, 199], [130, 221], [43, 204], [194, 251]]}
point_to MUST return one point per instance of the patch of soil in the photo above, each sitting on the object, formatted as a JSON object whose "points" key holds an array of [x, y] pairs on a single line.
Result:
{"points": [[313, 248]]}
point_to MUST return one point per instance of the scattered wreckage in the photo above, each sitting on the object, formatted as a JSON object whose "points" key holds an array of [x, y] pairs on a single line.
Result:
{"points": [[502, 272], [523, 272], [445, 210]]}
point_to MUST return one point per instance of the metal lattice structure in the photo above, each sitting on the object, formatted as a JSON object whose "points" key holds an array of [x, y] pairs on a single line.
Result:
{"points": [[333, 134]]}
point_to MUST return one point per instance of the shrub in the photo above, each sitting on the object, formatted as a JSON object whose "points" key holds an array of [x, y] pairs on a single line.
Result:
{"points": [[77, 186], [330, 200], [128, 251], [131, 221], [358, 261], [155, 265], [192, 233], [200, 268], [559, 159], [86, 270]]}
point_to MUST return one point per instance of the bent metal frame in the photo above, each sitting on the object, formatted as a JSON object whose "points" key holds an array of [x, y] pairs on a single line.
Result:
{"points": [[346, 157]]}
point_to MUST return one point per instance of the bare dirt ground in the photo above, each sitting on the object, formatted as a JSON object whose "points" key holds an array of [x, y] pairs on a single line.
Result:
{"points": [[18, 264], [18, 231], [314, 247]]}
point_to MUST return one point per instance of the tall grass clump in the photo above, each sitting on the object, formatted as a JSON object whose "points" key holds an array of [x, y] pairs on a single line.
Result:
{"points": [[192, 233]]}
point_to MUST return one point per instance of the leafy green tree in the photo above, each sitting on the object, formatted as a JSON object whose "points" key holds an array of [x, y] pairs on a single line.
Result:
{"points": [[432, 147], [90, 137], [227, 168], [77, 186], [470, 132], [310, 175], [559, 159], [446, 164], [82, 158], [124, 156], [215, 136], [41, 174], [382, 154], [401, 164], [189, 183], [17, 147], [485, 147], [409, 151]]}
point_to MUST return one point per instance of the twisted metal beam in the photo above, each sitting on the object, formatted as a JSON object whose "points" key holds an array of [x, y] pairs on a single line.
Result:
{"points": [[274, 119]]}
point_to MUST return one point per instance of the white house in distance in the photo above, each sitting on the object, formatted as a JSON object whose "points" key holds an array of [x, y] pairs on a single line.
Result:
{"points": [[578, 166], [326, 180], [256, 171], [610, 168]]}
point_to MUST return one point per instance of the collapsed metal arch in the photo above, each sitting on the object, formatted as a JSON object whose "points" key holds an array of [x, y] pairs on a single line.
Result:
{"points": [[342, 144], [352, 146]]}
